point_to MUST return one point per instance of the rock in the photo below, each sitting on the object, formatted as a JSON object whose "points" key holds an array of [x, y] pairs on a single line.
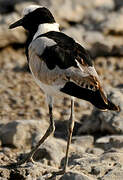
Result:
{"points": [[84, 141], [95, 170], [96, 165], [51, 151], [99, 49], [76, 32], [87, 125], [8, 36], [70, 11], [93, 18], [100, 33], [100, 167], [100, 45], [75, 176], [104, 4], [26, 173], [67, 10], [97, 43], [109, 121], [113, 24], [61, 130], [6, 6], [117, 50], [94, 37], [118, 4], [113, 175], [11, 132], [82, 161], [112, 121], [95, 150], [113, 141], [4, 174]]}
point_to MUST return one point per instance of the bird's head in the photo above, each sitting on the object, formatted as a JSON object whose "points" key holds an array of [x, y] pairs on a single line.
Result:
{"points": [[33, 16]]}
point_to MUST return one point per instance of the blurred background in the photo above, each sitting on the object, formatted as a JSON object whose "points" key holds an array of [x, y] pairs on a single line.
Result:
{"points": [[95, 24]]}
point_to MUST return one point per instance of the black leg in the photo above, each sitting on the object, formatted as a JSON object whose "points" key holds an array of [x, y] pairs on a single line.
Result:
{"points": [[70, 130], [50, 130]]}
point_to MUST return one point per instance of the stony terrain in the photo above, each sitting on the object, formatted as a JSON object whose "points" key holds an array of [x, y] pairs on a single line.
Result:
{"points": [[97, 145]]}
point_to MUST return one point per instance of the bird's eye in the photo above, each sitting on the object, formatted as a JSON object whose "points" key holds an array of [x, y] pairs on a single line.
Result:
{"points": [[91, 86]]}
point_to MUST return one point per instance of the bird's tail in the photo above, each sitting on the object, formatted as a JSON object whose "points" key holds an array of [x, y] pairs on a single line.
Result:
{"points": [[100, 101], [97, 98]]}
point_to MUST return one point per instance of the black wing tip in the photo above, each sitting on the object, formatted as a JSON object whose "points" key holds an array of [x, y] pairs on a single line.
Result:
{"points": [[93, 97], [113, 107], [106, 103], [103, 105]]}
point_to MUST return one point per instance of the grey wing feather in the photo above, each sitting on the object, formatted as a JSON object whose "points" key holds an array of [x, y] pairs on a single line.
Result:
{"points": [[38, 45], [80, 76]]}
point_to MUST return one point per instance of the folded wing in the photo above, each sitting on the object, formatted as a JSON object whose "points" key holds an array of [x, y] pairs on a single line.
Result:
{"points": [[81, 80]]}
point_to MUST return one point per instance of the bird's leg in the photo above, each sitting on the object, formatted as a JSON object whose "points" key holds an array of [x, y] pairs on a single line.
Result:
{"points": [[50, 130], [70, 131]]}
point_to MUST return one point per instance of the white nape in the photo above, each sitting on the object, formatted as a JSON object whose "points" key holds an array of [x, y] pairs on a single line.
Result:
{"points": [[46, 27], [30, 9]]}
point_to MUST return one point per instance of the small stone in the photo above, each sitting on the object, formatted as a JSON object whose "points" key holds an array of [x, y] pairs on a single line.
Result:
{"points": [[113, 24], [75, 176], [96, 151], [85, 141], [11, 132], [112, 141], [95, 170], [51, 151], [104, 4], [113, 175]]}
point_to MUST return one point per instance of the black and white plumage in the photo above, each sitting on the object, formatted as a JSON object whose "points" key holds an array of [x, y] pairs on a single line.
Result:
{"points": [[59, 65]]}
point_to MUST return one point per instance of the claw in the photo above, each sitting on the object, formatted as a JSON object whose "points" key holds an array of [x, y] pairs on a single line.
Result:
{"points": [[27, 159]]}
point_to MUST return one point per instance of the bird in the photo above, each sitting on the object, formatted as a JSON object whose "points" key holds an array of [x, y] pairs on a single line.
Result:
{"points": [[61, 67]]}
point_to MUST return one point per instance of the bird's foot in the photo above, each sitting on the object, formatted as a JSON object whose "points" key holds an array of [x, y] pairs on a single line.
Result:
{"points": [[27, 159], [58, 173], [61, 172]]}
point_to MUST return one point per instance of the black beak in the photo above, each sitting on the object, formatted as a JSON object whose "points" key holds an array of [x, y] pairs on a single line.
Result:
{"points": [[16, 24]]}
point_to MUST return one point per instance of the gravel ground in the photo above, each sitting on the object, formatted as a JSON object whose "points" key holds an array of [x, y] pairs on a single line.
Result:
{"points": [[97, 144]]}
